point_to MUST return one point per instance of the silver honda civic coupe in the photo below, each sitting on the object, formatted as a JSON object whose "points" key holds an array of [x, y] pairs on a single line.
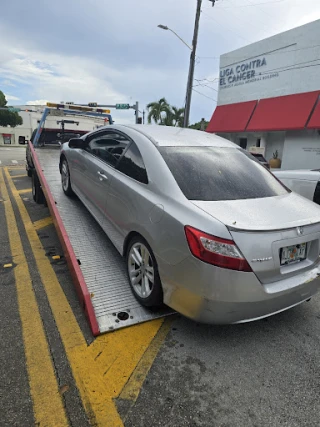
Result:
{"points": [[203, 226]]}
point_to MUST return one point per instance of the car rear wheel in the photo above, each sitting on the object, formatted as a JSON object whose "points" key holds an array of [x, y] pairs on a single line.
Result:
{"points": [[143, 273], [65, 178], [37, 192]]}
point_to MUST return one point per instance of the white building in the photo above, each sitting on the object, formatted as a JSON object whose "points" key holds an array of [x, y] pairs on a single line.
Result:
{"points": [[31, 116], [269, 97]]}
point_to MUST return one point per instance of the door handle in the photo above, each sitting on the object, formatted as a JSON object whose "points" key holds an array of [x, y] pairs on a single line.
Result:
{"points": [[102, 176]]}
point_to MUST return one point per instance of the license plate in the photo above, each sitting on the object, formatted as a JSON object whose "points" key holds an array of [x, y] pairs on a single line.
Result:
{"points": [[294, 253]]}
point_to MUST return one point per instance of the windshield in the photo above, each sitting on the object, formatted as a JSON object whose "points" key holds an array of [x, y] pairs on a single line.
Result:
{"points": [[211, 174]]}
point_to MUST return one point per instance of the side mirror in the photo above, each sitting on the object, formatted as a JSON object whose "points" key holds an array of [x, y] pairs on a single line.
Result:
{"points": [[76, 143]]}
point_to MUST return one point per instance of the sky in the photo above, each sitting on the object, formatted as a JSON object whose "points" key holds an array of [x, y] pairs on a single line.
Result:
{"points": [[113, 52]]}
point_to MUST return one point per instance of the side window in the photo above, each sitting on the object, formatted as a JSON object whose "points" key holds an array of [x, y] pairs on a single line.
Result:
{"points": [[132, 164], [108, 146]]}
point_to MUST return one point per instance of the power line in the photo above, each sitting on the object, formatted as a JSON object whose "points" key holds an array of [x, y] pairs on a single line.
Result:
{"points": [[267, 53], [254, 21], [204, 85], [249, 5], [292, 68], [212, 99], [264, 11], [217, 22], [207, 80]]}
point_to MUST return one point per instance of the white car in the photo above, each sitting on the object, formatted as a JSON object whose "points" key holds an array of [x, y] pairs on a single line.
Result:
{"points": [[304, 182]]}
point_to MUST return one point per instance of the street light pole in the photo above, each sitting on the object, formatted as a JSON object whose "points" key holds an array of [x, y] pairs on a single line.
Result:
{"points": [[193, 49], [164, 27], [191, 66]]}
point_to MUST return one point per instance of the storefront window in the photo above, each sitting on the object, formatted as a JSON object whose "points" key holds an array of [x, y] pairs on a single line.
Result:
{"points": [[6, 138], [243, 143]]}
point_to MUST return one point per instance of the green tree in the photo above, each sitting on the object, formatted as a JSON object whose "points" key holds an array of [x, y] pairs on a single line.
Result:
{"points": [[158, 111], [197, 125], [7, 117], [167, 120], [177, 116], [3, 101]]}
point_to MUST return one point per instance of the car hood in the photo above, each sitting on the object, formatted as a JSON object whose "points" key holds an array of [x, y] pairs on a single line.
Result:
{"points": [[266, 214]]}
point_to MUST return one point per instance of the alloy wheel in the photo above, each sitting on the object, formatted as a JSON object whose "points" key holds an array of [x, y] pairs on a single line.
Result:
{"points": [[65, 176], [141, 270]]}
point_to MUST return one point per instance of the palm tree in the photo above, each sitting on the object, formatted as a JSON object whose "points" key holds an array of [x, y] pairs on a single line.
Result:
{"points": [[177, 116], [157, 110], [168, 119]]}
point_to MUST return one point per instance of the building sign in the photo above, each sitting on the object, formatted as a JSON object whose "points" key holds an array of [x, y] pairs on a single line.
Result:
{"points": [[312, 150], [244, 73], [285, 64]]}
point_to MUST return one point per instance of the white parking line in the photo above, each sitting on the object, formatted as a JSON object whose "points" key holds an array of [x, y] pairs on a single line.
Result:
{"points": [[14, 162]]}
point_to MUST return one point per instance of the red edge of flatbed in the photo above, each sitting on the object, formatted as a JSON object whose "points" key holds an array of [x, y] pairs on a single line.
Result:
{"points": [[72, 261]]}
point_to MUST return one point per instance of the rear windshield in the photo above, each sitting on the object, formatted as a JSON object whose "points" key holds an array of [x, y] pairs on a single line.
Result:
{"points": [[211, 174], [55, 135]]}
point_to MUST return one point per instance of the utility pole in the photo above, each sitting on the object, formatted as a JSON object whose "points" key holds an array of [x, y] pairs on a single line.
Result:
{"points": [[191, 66]]}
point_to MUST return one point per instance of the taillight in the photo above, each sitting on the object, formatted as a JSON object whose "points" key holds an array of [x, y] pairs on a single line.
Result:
{"points": [[214, 250]]}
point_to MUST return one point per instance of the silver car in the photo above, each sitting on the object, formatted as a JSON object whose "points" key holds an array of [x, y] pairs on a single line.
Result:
{"points": [[203, 226]]}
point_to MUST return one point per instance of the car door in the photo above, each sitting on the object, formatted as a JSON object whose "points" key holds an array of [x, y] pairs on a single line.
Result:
{"points": [[128, 195], [102, 153]]}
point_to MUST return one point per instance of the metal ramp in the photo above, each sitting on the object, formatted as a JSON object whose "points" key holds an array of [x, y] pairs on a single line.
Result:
{"points": [[102, 267]]}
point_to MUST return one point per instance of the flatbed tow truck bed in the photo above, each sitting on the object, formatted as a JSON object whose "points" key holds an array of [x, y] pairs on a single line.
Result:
{"points": [[97, 268]]}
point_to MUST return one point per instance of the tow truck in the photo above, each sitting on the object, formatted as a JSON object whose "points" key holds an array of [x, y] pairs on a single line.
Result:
{"points": [[97, 269]]}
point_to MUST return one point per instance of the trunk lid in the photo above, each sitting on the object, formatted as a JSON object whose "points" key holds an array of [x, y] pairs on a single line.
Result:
{"points": [[270, 213], [263, 228]]}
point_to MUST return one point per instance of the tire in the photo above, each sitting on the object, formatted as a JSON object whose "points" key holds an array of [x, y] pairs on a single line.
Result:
{"points": [[37, 192], [65, 178], [140, 261], [29, 173]]}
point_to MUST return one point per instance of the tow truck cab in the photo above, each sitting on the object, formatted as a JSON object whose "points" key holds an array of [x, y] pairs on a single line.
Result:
{"points": [[51, 138]]}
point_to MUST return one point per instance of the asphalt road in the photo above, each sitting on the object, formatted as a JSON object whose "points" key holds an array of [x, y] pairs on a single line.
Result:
{"points": [[12, 156], [260, 374]]}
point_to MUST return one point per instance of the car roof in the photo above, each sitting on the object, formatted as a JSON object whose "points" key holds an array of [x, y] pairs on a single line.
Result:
{"points": [[170, 136]]}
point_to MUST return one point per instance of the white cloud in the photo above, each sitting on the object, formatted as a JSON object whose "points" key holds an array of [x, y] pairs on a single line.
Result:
{"points": [[8, 83], [139, 62], [11, 97], [37, 102]]}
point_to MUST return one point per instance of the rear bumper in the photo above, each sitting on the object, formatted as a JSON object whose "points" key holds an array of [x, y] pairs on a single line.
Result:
{"points": [[219, 296]]}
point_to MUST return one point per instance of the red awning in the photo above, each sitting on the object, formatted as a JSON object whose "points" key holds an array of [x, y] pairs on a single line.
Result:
{"points": [[231, 117], [289, 112], [314, 122]]}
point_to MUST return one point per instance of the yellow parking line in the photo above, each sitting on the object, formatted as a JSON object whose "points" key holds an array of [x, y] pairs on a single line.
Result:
{"points": [[97, 403], [19, 176], [102, 369], [132, 389], [41, 223], [25, 190], [47, 403]]}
